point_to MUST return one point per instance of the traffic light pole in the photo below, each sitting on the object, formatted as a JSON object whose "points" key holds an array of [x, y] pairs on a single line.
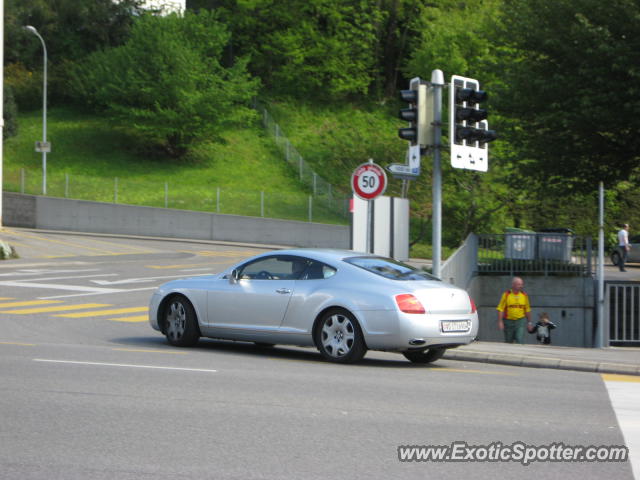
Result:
{"points": [[437, 81]]}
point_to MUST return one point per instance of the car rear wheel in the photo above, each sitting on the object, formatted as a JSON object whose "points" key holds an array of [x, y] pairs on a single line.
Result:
{"points": [[427, 356], [339, 338], [181, 324], [615, 258]]}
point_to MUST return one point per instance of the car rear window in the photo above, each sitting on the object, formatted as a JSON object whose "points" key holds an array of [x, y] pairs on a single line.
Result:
{"points": [[389, 268]]}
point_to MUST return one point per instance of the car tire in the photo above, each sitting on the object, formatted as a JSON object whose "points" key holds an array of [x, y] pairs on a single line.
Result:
{"points": [[615, 258], [181, 324], [339, 337], [427, 356]]}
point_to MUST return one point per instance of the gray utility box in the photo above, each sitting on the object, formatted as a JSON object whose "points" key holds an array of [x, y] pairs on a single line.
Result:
{"points": [[555, 244], [520, 246]]}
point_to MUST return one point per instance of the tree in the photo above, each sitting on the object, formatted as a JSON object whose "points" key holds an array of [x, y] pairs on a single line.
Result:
{"points": [[166, 83], [71, 30], [571, 89]]}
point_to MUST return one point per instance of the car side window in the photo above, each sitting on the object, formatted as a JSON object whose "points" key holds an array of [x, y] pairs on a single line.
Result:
{"points": [[275, 268], [318, 271]]}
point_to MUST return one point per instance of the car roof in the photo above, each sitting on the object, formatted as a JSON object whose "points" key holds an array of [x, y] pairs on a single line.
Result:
{"points": [[321, 254]]}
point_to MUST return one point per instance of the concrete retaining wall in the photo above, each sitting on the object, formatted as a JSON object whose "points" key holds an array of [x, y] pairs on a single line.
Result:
{"points": [[569, 302], [82, 216]]}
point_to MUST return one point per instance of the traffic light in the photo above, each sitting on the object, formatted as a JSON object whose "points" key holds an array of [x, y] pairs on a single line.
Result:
{"points": [[417, 97], [469, 132]]}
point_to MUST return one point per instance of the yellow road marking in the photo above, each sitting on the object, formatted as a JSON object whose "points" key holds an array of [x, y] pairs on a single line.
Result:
{"points": [[611, 377], [464, 370], [140, 318], [18, 343], [149, 351], [211, 253], [102, 313], [6, 298], [29, 303], [68, 244], [163, 267], [60, 308]]}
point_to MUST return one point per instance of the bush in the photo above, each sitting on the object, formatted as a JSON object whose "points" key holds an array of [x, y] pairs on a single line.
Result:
{"points": [[166, 84]]}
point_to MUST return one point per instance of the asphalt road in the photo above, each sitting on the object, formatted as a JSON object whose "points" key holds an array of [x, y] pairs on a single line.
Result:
{"points": [[90, 391]]}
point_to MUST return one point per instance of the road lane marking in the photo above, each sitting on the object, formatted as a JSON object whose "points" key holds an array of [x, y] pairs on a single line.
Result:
{"points": [[55, 286], [134, 280], [138, 319], [141, 350], [624, 393], [28, 303], [102, 313], [43, 271], [126, 365], [60, 308], [611, 377], [106, 291], [68, 244], [221, 253], [19, 343], [6, 298], [464, 370]]}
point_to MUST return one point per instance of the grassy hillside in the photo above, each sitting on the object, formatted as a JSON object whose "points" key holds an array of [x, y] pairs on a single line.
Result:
{"points": [[92, 153]]}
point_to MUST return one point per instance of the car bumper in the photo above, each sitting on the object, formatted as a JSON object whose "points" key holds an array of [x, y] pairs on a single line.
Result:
{"points": [[154, 304], [419, 331]]}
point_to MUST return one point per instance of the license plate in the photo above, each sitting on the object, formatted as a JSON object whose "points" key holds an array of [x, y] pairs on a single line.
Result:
{"points": [[451, 326]]}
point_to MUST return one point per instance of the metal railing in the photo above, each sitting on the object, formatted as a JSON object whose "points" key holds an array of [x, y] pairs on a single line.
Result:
{"points": [[203, 197], [535, 253], [622, 312], [317, 184]]}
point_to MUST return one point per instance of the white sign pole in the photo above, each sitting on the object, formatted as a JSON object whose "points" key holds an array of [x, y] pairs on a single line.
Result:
{"points": [[437, 80]]}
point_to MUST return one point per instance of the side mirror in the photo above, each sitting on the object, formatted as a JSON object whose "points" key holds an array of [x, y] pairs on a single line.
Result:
{"points": [[235, 276]]}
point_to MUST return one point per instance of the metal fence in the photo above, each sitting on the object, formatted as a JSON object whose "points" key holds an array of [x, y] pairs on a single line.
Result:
{"points": [[322, 208], [317, 184], [622, 312], [535, 253]]}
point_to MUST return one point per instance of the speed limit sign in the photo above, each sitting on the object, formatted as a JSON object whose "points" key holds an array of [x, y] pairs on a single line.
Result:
{"points": [[369, 181]]}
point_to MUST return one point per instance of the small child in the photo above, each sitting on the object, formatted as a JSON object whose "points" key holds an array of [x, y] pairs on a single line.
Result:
{"points": [[542, 329]]}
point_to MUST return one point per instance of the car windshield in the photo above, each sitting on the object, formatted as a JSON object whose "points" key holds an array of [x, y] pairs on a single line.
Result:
{"points": [[389, 268]]}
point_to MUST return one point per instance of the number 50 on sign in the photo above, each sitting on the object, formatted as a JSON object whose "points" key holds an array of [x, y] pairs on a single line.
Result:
{"points": [[369, 181]]}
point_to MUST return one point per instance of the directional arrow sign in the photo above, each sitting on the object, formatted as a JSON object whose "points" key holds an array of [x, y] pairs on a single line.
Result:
{"points": [[403, 170]]}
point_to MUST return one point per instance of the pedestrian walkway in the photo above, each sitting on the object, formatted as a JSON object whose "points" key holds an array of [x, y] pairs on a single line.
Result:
{"points": [[618, 360]]}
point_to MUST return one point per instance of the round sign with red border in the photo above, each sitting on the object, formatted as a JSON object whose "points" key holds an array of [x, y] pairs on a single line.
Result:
{"points": [[369, 181]]}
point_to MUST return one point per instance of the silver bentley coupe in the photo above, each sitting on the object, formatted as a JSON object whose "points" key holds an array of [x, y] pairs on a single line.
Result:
{"points": [[341, 302]]}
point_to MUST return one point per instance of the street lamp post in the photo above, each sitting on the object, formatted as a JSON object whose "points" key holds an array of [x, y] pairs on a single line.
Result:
{"points": [[44, 147]]}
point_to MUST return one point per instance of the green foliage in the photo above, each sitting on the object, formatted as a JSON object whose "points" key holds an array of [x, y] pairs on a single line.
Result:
{"points": [[92, 154], [166, 83], [323, 50], [10, 113], [572, 89], [70, 29]]}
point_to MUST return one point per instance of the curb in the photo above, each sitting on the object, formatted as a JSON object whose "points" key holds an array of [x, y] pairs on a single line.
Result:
{"points": [[542, 362]]}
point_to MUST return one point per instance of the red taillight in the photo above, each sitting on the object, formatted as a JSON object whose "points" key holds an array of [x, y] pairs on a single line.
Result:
{"points": [[407, 303], [473, 305]]}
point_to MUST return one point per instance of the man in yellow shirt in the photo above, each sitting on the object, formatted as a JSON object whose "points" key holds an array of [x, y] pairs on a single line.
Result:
{"points": [[513, 309]]}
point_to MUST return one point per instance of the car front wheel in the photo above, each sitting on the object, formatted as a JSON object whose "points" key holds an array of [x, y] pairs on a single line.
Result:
{"points": [[427, 356], [181, 324], [339, 338]]}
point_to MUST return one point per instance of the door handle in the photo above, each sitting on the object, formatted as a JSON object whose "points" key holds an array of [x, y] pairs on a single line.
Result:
{"points": [[283, 291]]}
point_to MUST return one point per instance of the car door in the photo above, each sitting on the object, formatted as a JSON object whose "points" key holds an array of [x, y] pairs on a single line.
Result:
{"points": [[258, 299]]}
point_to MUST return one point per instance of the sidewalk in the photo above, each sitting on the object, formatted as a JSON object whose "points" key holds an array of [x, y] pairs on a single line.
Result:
{"points": [[617, 360]]}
